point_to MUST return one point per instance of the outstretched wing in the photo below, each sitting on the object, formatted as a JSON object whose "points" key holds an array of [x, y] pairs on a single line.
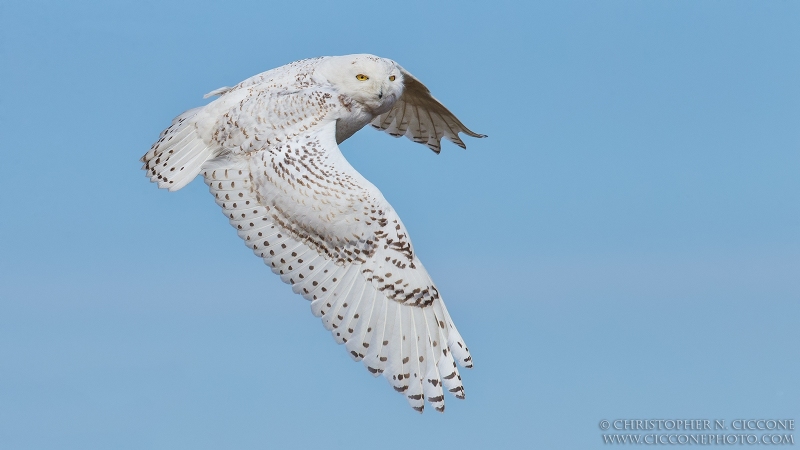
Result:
{"points": [[329, 233], [421, 118], [322, 228]]}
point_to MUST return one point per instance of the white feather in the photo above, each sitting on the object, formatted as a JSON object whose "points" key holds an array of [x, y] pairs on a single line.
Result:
{"points": [[267, 149]]}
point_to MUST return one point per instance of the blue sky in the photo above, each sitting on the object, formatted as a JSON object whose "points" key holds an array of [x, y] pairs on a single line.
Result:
{"points": [[624, 244]]}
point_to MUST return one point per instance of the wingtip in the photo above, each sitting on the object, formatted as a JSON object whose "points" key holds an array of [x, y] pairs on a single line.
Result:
{"points": [[471, 133], [459, 392]]}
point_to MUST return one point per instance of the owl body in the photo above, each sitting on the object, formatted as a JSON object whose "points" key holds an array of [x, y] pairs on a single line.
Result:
{"points": [[267, 149]]}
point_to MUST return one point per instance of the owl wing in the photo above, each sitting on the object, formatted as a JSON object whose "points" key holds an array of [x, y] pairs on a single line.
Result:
{"points": [[421, 118], [328, 232]]}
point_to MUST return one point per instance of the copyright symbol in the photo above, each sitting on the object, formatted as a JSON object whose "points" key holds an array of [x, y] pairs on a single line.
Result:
{"points": [[604, 424]]}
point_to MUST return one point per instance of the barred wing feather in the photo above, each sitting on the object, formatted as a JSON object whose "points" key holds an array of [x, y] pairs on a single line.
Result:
{"points": [[328, 232], [421, 118]]}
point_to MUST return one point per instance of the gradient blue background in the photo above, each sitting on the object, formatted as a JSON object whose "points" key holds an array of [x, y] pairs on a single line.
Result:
{"points": [[625, 244]]}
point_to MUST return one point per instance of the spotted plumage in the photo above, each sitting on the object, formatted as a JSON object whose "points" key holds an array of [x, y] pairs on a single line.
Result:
{"points": [[267, 149]]}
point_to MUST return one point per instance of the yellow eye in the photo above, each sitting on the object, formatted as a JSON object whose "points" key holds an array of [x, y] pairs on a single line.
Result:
{"points": [[391, 78], [362, 77]]}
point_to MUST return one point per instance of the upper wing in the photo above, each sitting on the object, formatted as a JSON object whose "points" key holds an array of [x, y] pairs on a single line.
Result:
{"points": [[328, 232], [421, 118]]}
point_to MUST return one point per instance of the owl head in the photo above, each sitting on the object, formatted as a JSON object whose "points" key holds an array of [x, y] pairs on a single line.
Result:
{"points": [[376, 83]]}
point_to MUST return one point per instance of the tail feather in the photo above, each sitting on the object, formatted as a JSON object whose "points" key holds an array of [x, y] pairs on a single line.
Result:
{"points": [[178, 155]]}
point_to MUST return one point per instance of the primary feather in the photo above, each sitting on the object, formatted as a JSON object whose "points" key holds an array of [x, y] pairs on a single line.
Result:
{"points": [[267, 149]]}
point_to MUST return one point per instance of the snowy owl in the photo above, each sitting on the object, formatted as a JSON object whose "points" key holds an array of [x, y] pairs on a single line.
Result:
{"points": [[267, 149]]}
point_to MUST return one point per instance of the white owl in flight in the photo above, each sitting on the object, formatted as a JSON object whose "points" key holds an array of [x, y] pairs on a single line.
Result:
{"points": [[268, 151]]}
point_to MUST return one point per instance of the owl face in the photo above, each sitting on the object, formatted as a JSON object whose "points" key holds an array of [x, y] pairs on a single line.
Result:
{"points": [[375, 83]]}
